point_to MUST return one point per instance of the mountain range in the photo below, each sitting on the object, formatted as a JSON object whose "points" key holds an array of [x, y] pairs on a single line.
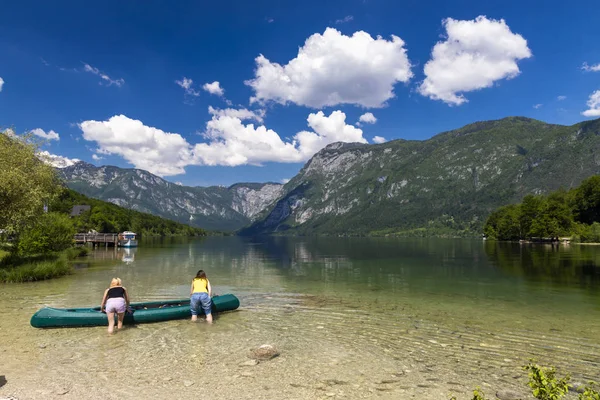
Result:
{"points": [[214, 208], [447, 184]]}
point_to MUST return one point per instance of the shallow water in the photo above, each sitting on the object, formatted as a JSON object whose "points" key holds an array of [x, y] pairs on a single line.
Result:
{"points": [[352, 318]]}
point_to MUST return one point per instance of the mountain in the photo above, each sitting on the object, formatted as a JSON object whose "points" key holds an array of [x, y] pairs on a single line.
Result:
{"points": [[444, 185], [213, 208]]}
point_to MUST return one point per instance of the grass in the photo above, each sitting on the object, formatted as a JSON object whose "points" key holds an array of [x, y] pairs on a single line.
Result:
{"points": [[14, 269]]}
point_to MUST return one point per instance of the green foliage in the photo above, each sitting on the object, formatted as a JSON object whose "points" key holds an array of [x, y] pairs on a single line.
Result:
{"points": [[586, 201], [544, 383], [51, 267], [478, 394], [561, 213], [51, 232], [106, 217], [26, 183], [590, 392]]}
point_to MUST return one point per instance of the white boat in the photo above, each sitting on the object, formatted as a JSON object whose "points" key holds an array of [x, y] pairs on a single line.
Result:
{"points": [[128, 239]]}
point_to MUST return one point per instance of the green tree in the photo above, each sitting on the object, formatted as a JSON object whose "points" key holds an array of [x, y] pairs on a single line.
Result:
{"points": [[530, 211], [52, 232], [586, 201], [26, 183]]}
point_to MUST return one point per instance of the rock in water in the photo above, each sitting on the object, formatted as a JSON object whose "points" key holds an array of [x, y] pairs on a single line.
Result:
{"points": [[264, 352]]}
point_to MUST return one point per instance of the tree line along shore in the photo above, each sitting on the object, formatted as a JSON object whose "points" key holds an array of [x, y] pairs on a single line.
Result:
{"points": [[36, 225]]}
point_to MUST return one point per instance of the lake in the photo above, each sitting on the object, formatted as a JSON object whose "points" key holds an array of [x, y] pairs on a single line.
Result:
{"points": [[351, 317]]}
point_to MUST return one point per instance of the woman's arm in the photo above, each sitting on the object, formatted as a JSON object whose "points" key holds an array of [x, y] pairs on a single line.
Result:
{"points": [[192, 289], [103, 300], [126, 297], [209, 288]]}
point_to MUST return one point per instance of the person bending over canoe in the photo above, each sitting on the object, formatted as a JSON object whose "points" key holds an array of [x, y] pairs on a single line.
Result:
{"points": [[116, 301], [200, 295]]}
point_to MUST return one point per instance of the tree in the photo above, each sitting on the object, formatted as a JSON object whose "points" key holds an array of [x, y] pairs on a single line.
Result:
{"points": [[26, 183], [586, 201], [52, 232]]}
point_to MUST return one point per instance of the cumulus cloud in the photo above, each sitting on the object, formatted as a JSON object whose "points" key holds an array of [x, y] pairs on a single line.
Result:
{"points": [[186, 84], [379, 139], [476, 54], [347, 18], [1, 83], [55, 160], [214, 88], [537, 106], [50, 135], [229, 142], [148, 148], [590, 68], [561, 98], [108, 81], [242, 113], [96, 157], [594, 105], [367, 118], [332, 69]]}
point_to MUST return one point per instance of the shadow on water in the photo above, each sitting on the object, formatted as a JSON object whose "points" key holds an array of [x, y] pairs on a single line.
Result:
{"points": [[558, 264]]}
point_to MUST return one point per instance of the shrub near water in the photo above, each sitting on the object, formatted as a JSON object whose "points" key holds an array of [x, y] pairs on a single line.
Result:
{"points": [[52, 232], [37, 271]]}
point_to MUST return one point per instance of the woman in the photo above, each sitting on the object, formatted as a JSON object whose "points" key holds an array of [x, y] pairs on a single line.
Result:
{"points": [[116, 300], [200, 294]]}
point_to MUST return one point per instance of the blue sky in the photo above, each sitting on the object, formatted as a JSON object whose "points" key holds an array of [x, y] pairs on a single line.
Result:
{"points": [[100, 81]]}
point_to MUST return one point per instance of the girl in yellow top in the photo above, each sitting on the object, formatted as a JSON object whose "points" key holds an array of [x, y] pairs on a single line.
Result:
{"points": [[200, 294]]}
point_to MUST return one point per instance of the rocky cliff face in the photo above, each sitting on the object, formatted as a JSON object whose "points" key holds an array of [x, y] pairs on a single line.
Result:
{"points": [[446, 184], [215, 208]]}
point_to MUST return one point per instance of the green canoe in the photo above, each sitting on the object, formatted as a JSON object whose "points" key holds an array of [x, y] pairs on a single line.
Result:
{"points": [[153, 311]]}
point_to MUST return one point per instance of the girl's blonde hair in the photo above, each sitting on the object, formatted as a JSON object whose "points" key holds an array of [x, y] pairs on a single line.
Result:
{"points": [[115, 282]]}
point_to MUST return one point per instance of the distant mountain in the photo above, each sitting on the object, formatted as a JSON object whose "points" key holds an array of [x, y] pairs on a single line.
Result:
{"points": [[213, 208], [445, 185]]}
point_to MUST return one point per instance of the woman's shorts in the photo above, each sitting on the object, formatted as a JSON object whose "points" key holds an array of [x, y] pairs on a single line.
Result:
{"points": [[200, 299], [116, 305]]}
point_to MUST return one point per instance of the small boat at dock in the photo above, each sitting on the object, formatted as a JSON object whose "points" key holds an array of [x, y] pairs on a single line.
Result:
{"points": [[153, 311], [127, 239]]}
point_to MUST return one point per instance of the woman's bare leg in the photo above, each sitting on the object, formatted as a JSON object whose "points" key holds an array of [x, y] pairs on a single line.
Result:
{"points": [[194, 318], [120, 317], [209, 318], [111, 321]]}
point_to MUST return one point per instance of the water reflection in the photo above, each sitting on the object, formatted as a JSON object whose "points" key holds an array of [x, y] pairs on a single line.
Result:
{"points": [[561, 265]]}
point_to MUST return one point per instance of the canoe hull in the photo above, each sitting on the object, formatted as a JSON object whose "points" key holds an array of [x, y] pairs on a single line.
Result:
{"points": [[154, 311]]}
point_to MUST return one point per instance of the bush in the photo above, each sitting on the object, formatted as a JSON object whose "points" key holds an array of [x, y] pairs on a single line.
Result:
{"points": [[52, 232], [544, 384], [36, 271]]}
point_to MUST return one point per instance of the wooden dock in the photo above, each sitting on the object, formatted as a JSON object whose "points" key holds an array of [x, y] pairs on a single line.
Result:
{"points": [[97, 239]]}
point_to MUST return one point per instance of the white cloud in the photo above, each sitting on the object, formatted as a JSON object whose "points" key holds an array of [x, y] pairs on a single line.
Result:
{"points": [[590, 68], [107, 79], [537, 106], [367, 118], [561, 98], [594, 105], [214, 88], [96, 157], [231, 143], [242, 113], [347, 18], [1, 83], [148, 148], [285, 180], [186, 84], [475, 54], [379, 139], [332, 69], [228, 142], [56, 161], [50, 135]]}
